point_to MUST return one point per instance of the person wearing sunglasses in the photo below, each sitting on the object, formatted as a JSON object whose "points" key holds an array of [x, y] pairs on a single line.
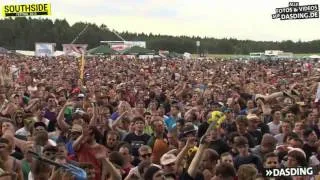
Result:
{"points": [[156, 173], [145, 153], [158, 141]]}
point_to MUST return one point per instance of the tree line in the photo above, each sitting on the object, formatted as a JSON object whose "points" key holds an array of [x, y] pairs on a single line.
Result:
{"points": [[22, 33]]}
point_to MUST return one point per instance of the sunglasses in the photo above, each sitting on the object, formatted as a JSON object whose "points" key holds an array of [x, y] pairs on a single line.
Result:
{"points": [[272, 162], [50, 153], [146, 155], [40, 129]]}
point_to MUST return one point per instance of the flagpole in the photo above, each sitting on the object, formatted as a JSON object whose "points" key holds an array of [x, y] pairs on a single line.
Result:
{"points": [[82, 68]]}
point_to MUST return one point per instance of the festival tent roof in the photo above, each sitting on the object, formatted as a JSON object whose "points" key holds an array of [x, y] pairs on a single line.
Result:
{"points": [[314, 57], [3, 50], [58, 53], [102, 50], [25, 53], [175, 55], [32, 53], [137, 50]]}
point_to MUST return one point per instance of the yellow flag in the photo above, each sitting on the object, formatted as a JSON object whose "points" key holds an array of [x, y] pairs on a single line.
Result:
{"points": [[82, 67]]}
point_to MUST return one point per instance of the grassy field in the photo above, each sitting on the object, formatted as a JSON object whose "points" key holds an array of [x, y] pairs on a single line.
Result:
{"points": [[244, 56]]}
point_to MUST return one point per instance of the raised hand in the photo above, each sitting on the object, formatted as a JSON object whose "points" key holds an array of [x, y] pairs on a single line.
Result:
{"points": [[191, 141], [70, 103], [206, 139]]}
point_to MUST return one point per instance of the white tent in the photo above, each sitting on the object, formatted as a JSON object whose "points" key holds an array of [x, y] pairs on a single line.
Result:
{"points": [[32, 53], [314, 57], [26, 53], [187, 55], [58, 53]]}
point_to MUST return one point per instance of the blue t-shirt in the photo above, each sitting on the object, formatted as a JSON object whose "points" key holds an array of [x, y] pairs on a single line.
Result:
{"points": [[70, 148], [114, 115], [170, 123]]}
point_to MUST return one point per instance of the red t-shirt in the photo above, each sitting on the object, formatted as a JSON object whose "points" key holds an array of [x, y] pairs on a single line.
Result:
{"points": [[87, 154]]}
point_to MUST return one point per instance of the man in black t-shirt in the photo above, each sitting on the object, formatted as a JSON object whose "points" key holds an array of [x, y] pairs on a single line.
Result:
{"points": [[217, 143], [137, 138], [244, 156], [310, 146], [242, 125], [253, 130]]}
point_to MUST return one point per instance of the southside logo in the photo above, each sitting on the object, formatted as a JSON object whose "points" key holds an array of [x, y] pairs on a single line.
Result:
{"points": [[280, 172]]}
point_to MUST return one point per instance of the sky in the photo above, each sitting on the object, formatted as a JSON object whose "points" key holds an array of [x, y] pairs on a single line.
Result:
{"points": [[241, 19]]}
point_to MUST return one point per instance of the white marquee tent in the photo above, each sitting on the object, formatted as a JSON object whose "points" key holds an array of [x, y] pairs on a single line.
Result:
{"points": [[314, 56]]}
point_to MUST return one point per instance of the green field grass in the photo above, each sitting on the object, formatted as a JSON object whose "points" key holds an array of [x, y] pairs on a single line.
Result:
{"points": [[245, 56]]}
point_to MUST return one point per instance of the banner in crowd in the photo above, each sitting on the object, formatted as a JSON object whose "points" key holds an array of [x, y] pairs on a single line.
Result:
{"points": [[122, 45], [72, 49], [119, 47], [44, 49], [13, 10]]}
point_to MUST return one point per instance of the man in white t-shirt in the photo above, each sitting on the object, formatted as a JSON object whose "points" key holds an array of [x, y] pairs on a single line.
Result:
{"points": [[274, 125]]}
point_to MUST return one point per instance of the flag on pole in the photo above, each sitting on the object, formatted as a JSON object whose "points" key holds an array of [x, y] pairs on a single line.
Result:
{"points": [[82, 63]]}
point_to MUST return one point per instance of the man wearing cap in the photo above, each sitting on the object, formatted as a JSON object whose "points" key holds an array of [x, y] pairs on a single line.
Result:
{"points": [[253, 121], [40, 134], [168, 163], [74, 133]]}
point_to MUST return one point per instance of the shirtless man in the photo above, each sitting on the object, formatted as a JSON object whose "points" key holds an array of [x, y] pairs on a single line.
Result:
{"points": [[10, 164]]}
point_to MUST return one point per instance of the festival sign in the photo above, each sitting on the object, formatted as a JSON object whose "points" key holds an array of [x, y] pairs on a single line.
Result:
{"points": [[71, 49], [43, 9], [44, 49]]}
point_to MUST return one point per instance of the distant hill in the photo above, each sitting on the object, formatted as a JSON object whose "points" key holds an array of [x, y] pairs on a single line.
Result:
{"points": [[22, 33]]}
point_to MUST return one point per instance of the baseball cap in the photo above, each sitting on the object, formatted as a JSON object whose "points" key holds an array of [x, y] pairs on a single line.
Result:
{"points": [[60, 89], [189, 128], [76, 128], [167, 159], [80, 95], [252, 116], [38, 124], [50, 148]]}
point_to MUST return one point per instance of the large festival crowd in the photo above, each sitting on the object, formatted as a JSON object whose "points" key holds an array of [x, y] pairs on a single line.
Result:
{"points": [[162, 119]]}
